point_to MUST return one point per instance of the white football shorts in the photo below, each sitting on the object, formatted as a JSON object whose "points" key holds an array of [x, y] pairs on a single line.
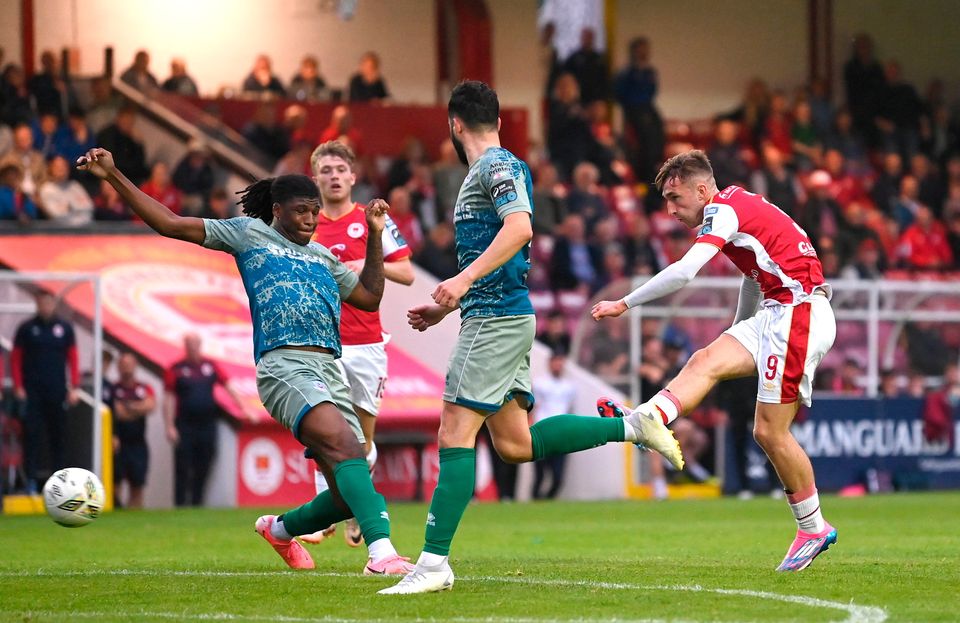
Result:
{"points": [[364, 369]]}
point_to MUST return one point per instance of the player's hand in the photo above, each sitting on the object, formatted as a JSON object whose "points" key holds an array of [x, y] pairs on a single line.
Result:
{"points": [[252, 415], [604, 309], [173, 435], [423, 317], [98, 161], [449, 292], [377, 215], [355, 266], [73, 397]]}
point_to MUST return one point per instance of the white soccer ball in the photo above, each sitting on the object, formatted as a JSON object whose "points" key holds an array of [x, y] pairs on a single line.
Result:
{"points": [[73, 496]]}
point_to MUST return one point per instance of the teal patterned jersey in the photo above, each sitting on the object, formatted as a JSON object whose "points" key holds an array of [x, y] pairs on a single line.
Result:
{"points": [[294, 290], [497, 184]]}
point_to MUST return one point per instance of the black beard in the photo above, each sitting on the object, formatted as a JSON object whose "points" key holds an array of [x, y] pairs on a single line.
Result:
{"points": [[458, 146]]}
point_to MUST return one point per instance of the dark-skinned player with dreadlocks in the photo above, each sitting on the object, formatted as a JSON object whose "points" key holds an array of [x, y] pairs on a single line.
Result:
{"points": [[295, 288]]}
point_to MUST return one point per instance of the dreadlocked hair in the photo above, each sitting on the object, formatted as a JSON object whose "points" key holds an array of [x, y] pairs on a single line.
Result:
{"points": [[258, 198]]}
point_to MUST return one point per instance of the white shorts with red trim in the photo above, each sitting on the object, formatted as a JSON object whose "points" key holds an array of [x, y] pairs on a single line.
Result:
{"points": [[787, 344], [364, 369]]}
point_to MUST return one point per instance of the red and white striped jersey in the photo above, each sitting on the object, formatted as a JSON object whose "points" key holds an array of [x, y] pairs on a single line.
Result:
{"points": [[346, 237], [764, 243]]}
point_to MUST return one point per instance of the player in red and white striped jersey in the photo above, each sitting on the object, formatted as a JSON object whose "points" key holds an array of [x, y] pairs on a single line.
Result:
{"points": [[783, 327], [342, 228]]}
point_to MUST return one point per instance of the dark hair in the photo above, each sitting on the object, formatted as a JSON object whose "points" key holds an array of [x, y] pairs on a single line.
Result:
{"points": [[475, 104], [258, 198], [693, 163]]}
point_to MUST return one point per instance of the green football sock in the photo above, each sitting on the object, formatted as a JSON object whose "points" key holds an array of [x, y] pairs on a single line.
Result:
{"points": [[454, 491], [368, 506], [563, 434], [317, 514]]}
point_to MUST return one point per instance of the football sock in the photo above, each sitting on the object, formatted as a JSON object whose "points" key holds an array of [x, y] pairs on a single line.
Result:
{"points": [[317, 514], [430, 561], [380, 549], [454, 491], [667, 404], [563, 434], [279, 531], [806, 509], [368, 506]]}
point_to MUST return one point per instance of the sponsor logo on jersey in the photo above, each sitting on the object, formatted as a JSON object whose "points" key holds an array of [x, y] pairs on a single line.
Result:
{"points": [[711, 210], [807, 249], [355, 230], [503, 193]]}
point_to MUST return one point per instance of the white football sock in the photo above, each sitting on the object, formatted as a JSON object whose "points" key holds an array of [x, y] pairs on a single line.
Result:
{"points": [[320, 481], [277, 531], [380, 549], [667, 403], [431, 561], [807, 513]]}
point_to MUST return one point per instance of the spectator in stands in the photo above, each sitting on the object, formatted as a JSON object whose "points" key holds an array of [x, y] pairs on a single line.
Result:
{"points": [[438, 255], [401, 211], [864, 82], [193, 176], [160, 187], [887, 185], [590, 69], [821, 215], [133, 401], [367, 85], [937, 137], [556, 394], [777, 127], [930, 188], [448, 176], [569, 139], [6, 139], [179, 82], [923, 245], [727, 156], [29, 160], [424, 196], [807, 142], [854, 231], [341, 129], [574, 264], [138, 74], [907, 203], [190, 414], [106, 104], [555, 334], [821, 108], [45, 131], [218, 205], [643, 258], [46, 374], [265, 133], [916, 384], [635, 88], [848, 381], [953, 238], [364, 190], [261, 79], [844, 138], [898, 113], [15, 205], [74, 139], [549, 62], [308, 84], [867, 262], [48, 88], [844, 186], [401, 169], [776, 182], [610, 358], [295, 161], [586, 196], [751, 114], [890, 384], [108, 206], [62, 200], [120, 139], [15, 105], [940, 408], [550, 198]]}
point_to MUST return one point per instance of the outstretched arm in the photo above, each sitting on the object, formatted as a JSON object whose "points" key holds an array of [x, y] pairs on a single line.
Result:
{"points": [[667, 281], [100, 162]]}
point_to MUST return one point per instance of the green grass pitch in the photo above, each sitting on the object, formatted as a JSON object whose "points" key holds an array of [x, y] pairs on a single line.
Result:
{"points": [[897, 559]]}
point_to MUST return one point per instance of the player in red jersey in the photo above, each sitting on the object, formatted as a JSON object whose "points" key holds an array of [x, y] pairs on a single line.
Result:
{"points": [[341, 227], [783, 327]]}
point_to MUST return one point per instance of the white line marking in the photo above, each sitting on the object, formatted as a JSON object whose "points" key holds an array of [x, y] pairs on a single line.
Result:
{"points": [[855, 613]]}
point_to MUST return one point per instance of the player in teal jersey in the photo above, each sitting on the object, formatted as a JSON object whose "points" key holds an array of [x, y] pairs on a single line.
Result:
{"points": [[488, 377], [295, 288]]}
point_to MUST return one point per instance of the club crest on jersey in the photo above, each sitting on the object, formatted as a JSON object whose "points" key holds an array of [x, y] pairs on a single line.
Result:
{"points": [[355, 230]]}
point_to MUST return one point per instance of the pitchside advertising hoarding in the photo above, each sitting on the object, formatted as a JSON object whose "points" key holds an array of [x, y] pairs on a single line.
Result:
{"points": [[875, 443], [156, 290]]}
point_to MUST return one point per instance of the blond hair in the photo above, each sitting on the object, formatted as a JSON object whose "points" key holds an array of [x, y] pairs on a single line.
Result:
{"points": [[332, 148]]}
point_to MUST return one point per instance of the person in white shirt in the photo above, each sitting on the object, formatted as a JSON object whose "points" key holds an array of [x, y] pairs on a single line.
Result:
{"points": [[63, 200], [556, 393]]}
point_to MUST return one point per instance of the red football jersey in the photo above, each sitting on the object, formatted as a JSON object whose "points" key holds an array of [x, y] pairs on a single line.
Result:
{"points": [[764, 243], [346, 237]]}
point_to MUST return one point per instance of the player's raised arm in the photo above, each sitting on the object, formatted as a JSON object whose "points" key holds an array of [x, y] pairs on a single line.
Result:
{"points": [[369, 290], [667, 281], [100, 162]]}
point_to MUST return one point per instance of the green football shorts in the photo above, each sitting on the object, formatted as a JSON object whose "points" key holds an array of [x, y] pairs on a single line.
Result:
{"points": [[291, 382], [490, 364]]}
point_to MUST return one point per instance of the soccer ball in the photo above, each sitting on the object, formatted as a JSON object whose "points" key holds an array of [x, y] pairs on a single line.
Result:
{"points": [[73, 496]]}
